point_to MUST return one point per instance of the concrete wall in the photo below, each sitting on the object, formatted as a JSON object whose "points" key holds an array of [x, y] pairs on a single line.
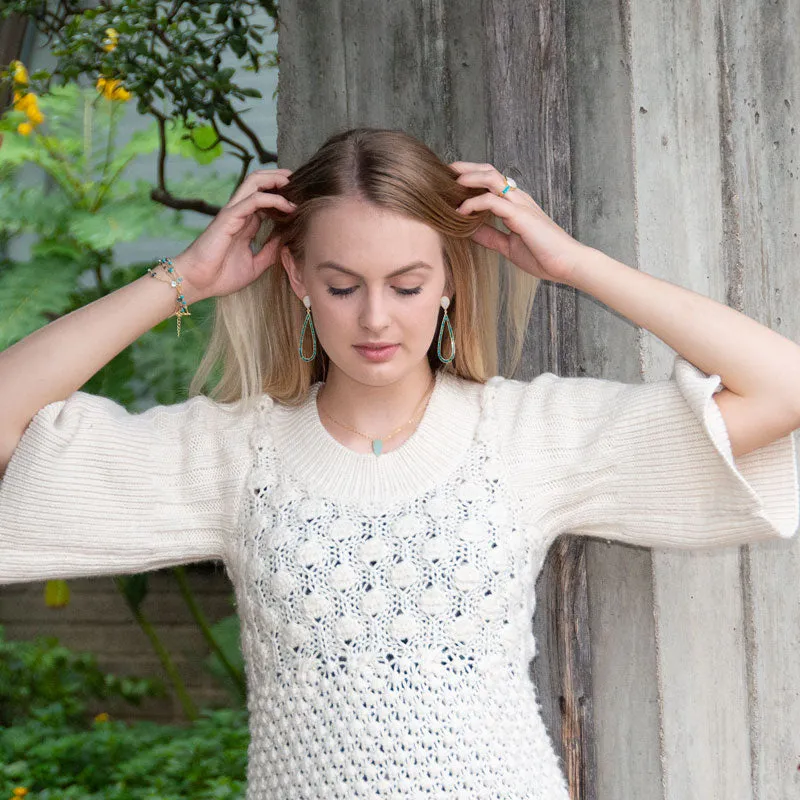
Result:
{"points": [[680, 159]]}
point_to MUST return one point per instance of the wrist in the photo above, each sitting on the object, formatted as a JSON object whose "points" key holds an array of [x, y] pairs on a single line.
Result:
{"points": [[586, 268], [183, 267]]}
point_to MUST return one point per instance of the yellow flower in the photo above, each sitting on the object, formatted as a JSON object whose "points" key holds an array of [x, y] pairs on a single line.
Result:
{"points": [[25, 102], [28, 103], [20, 73], [110, 42], [24, 128], [112, 89], [35, 116], [20, 791], [102, 717]]}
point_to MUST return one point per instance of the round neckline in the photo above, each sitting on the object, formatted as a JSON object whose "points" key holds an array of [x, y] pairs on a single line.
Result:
{"points": [[333, 442], [322, 466]]}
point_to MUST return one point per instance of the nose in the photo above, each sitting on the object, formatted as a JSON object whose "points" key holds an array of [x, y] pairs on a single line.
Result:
{"points": [[374, 312]]}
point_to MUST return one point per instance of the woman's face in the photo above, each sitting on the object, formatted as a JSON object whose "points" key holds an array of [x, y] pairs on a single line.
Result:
{"points": [[353, 249]]}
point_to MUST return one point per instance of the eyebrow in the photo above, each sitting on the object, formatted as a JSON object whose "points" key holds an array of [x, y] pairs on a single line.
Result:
{"points": [[340, 268]]}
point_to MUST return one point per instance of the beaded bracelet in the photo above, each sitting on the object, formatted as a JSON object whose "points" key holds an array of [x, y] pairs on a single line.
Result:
{"points": [[166, 264]]}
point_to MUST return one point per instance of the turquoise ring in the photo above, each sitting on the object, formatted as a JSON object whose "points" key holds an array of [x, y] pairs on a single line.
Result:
{"points": [[510, 184]]}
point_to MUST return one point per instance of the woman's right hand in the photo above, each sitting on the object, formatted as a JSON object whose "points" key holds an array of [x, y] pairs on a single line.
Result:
{"points": [[220, 261]]}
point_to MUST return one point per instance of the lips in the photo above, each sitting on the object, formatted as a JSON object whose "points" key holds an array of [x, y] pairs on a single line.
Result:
{"points": [[377, 353]]}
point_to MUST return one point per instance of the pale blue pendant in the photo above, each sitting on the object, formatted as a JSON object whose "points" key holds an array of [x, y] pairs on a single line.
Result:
{"points": [[377, 446]]}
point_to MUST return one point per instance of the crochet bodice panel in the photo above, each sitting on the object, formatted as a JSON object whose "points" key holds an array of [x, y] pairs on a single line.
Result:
{"points": [[388, 647]]}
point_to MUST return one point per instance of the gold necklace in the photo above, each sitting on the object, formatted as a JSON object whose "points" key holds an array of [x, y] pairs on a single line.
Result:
{"points": [[377, 444]]}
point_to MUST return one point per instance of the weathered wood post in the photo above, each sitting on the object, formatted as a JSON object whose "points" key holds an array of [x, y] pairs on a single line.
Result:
{"points": [[664, 134], [684, 131], [477, 81]]}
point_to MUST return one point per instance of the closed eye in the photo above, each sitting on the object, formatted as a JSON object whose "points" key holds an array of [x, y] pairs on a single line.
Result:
{"points": [[342, 292]]}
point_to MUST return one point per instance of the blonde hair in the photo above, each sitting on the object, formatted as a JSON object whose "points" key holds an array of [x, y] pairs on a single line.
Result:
{"points": [[255, 331]]}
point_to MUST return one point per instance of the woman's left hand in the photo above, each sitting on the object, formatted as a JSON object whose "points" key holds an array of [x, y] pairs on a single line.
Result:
{"points": [[536, 244]]}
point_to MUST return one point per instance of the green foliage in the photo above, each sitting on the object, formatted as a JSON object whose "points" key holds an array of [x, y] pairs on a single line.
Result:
{"points": [[79, 216], [171, 51], [50, 747], [113, 760], [43, 681], [166, 55], [170, 57], [31, 291]]}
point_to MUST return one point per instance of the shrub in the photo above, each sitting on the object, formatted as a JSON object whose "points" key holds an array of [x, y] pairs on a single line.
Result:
{"points": [[43, 680], [50, 748], [114, 760]]}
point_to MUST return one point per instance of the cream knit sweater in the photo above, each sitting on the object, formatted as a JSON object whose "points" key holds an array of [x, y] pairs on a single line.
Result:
{"points": [[386, 601]]}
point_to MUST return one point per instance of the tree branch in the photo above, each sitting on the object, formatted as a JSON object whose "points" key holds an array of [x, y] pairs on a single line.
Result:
{"points": [[166, 199]]}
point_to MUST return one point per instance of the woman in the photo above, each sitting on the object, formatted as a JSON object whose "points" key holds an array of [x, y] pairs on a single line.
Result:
{"points": [[383, 500]]}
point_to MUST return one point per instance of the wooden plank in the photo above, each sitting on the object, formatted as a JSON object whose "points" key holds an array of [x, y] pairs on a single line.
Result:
{"points": [[12, 35], [697, 595], [528, 131], [759, 65], [625, 691]]}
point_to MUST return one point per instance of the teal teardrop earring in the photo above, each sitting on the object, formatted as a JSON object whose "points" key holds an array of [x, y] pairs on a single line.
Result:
{"points": [[308, 322], [445, 319]]}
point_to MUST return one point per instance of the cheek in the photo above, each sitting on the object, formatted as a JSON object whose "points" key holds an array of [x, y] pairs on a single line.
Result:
{"points": [[331, 314]]}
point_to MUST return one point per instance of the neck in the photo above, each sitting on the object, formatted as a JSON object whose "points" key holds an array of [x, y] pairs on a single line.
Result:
{"points": [[374, 409]]}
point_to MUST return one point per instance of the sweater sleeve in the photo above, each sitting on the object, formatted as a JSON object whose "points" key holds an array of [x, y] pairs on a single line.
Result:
{"points": [[92, 489], [649, 464]]}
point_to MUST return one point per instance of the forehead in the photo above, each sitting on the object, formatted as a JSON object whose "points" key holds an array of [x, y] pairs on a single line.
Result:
{"points": [[352, 231]]}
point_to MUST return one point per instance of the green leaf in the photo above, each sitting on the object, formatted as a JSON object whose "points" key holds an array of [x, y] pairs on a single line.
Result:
{"points": [[31, 290], [200, 143], [57, 249], [166, 362], [227, 634], [15, 148], [123, 219], [115, 380]]}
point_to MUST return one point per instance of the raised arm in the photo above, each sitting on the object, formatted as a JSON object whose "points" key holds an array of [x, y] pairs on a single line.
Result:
{"points": [[759, 369], [89, 488], [56, 360], [53, 362]]}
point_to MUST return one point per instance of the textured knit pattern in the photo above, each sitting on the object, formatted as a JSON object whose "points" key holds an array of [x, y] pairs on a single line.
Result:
{"points": [[386, 601]]}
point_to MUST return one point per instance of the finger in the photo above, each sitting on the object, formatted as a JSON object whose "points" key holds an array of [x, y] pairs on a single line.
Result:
{"points": [[261, 200], [494, 182], [262, 183], [512, 214], [266, 255], [250, 228], [489, 236], [470, 166], [261, 179], [278, 171]]}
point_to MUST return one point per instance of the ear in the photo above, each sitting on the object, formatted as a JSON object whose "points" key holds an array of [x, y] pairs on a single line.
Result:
{"points": [[294, 272]]}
